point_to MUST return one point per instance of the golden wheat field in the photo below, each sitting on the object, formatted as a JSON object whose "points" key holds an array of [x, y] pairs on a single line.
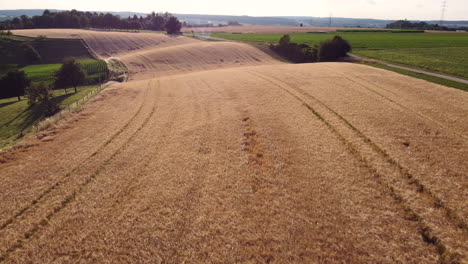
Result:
{"points": [[215, 152]]}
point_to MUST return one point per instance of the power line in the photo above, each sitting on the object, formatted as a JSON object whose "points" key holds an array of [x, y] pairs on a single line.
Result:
{"points": [[444, 8]]}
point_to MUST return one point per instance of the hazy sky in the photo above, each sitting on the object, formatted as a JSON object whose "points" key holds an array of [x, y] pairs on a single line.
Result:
{"points": [[381, 9]]}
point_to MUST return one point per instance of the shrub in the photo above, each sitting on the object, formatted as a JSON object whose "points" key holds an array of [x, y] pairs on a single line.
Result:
{"points": [[42, 94], [299, 53], [331, 50], [15, 83], [328, 50]]}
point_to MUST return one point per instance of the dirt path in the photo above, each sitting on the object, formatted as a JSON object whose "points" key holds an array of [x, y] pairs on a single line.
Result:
{"points": [[443, 76], [328, 162]]}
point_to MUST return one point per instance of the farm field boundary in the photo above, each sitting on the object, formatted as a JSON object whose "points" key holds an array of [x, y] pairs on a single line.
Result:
{"points": [[441, 53]]}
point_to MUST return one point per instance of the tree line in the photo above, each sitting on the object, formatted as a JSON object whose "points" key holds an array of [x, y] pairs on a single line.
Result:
{"points": [[328, 50], [77, 19], [405, 24], [16, 82]]}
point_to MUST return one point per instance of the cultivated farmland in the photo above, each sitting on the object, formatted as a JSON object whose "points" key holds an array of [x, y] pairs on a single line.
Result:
{"points": [[443, 53], [216, 152], [17, 117], [50, 50]]}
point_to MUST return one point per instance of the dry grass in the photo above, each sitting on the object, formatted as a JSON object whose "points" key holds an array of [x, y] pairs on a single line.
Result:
{"points": [[329, 162]]}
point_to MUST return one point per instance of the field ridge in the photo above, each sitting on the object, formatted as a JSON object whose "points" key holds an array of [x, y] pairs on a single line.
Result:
{"points": [[372, 155]]}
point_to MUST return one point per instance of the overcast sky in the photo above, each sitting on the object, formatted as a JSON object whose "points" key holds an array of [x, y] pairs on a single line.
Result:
{"points": [[380, 9]]}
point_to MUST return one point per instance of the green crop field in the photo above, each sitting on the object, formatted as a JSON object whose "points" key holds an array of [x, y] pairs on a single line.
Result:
{"points": [[18, 116], [96, 70], [443, 53], [448, 60]]}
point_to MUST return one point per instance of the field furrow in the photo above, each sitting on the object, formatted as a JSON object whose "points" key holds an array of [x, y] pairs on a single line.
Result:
{"points": [[230, 178], [26, 222], [214, 152], [432, 154], [420, 99], [440, 224]]}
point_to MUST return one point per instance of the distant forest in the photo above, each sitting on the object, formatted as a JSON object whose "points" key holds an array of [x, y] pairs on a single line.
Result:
{"points": [[405, 24], [77, 19]]}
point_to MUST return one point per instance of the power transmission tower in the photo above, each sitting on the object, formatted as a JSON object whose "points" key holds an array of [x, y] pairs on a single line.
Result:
{"points": [[330, 21], [444, 8]]}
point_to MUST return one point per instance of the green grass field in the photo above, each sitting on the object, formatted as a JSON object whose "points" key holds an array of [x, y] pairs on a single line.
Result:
{"points": [[381, 30], [429, 78], [96, 71], [52, 52], [452, 61], [442, 53], [17, 116], [41, 73]]}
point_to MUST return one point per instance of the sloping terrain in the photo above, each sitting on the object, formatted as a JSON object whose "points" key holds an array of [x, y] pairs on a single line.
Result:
{"points": [[107, 44], [151, 54], [191, 57], [12, 50], [273, 163]]}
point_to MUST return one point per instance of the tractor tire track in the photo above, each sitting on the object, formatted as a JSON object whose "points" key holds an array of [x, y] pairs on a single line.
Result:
{"points": [[435, 157], [439, 224], [63, 200], [370, 88], [414, 181], [67, 176]]}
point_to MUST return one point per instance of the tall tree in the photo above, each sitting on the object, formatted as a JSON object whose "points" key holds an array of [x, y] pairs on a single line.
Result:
{"points": [[158, 23], [16, 81], [173, 25], [69, 75]]}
